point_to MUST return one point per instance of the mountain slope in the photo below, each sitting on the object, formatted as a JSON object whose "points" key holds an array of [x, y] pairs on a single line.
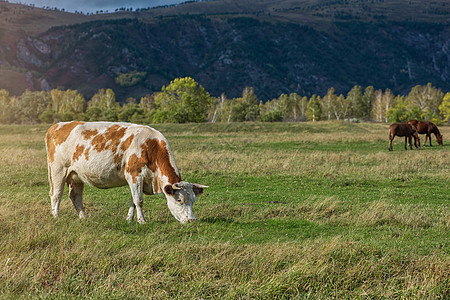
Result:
{"points": [[244, 43]]}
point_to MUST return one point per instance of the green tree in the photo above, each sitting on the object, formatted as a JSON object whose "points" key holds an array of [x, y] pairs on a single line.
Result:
{"points": [[130, 79], [270, 111], [183, 100], [148, 104], [400, 111], [272, 116], [66, 105], [103, 106], [427, 99], [381, 105], [355, 98], [368, 99], [314, 109], [217, 112], [104, 99], [245, 108], [132, 112], [303, 106], [9, 112], [341, 108], [294, 108], [328, 104], [32, 105], [250, 104], [288, 105], [444, 108]]}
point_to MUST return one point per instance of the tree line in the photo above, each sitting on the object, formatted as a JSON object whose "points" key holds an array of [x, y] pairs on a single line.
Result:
{"points": [[184, 100]]}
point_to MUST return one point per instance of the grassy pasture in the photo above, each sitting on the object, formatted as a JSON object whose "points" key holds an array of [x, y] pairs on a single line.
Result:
{"points": [[293, 210]]}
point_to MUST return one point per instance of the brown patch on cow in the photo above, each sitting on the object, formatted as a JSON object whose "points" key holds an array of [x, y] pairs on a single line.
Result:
{"points": [[134, 165], [56, 136], [87, 134], [164, 164], [127, 143], [86, 153], [118, 161], [78, 152], [157, 185], [110, 140], [99, 143], [155, 155]]}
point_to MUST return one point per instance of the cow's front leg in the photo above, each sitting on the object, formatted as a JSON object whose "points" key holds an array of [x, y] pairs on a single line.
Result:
{"points": [[138, 198], [130, 215]]}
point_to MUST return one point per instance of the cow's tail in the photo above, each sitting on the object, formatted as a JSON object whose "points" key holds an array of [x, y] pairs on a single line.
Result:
{"points": [[49, 166]]}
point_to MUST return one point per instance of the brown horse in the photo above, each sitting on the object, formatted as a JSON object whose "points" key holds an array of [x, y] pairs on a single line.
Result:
{"points": [[427, 128], [406, 130]]}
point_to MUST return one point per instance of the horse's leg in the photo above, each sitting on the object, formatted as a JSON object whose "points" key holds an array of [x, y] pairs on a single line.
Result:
{"points": [[391, 138], [429, 136], [406, 138]]}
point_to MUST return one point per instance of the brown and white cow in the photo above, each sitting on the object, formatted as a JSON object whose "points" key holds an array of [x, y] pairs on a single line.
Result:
{"points": [[107, 155]]}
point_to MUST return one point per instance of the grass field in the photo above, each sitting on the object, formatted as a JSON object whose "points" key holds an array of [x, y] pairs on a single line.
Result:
{"points": [[293, 211]]}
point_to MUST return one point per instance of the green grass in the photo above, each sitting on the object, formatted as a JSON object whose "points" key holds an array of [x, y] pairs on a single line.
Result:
{"points": [[293, 210]]}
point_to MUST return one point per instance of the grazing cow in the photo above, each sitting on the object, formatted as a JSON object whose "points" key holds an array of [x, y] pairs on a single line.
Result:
{"points": [[107, 155], [406, 130], [427, 128]]}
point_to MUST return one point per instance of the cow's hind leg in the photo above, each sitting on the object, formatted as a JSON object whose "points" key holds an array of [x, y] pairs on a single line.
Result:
{"points": [[57, 181], [76, 195], [130, 215]]}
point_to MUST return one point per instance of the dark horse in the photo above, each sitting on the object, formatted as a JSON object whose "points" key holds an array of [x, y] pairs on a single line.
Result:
{"points": [[427, 128], [406, 130]]}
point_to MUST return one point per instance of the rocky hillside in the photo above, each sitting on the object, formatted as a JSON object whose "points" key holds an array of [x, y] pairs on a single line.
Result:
{"points": [[271, 49]]}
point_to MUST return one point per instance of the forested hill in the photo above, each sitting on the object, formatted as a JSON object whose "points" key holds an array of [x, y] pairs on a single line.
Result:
{"points": [[293, 46]]}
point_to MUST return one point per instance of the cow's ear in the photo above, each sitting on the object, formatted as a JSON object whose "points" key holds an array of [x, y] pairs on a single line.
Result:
{"points": [[198, 188], [169, 190]]}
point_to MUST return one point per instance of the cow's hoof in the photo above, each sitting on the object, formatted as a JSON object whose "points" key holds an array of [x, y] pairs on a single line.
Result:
{"points": [[142, 221], [82, 215]]}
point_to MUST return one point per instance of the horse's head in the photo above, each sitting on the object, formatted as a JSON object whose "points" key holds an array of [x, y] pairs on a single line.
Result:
{"points": [[439, 139]]}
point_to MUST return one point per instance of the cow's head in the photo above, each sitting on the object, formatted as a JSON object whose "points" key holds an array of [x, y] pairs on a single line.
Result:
{"points": [[180, 198]]}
